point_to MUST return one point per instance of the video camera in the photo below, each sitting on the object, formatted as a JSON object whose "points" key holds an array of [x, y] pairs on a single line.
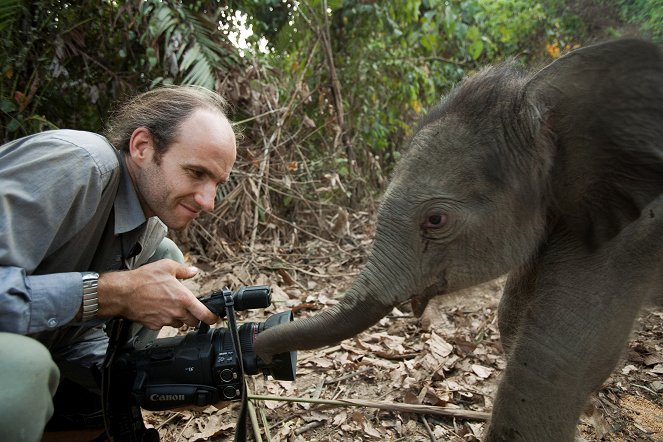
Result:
{"points": [[201, 368]]}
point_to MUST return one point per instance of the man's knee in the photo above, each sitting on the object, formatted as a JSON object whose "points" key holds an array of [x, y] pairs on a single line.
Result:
{"points": [[168, 250], [28, 383]]}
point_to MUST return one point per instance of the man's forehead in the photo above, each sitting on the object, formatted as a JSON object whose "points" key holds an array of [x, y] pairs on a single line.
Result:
{"points": [[217, 171]]}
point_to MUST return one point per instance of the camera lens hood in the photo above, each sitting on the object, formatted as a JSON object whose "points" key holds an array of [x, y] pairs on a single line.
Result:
{"points": [[284, 365]]}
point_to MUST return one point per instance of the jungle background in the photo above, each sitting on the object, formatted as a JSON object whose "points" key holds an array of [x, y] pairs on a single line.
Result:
{"points": [[325, 94]]}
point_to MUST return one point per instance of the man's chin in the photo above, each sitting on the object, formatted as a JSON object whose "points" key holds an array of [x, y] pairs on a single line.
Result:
{"points": [[178, 226]]}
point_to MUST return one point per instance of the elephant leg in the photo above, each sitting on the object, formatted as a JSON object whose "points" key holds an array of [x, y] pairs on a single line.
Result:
{"points": [[513, 304], [574, 328]]}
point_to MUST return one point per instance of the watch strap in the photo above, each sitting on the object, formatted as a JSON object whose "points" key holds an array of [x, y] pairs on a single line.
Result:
{"points": [[90, 304]]}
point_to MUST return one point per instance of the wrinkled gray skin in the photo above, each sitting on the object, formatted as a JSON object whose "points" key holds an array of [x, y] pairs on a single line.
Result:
{"points": [[555, 178]]}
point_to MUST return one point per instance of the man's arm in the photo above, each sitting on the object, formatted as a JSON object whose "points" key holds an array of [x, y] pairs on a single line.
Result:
{"points": [[49, 189]]}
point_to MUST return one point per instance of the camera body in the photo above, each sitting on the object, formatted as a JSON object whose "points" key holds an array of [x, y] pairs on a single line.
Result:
{"points": [[200, 368]]}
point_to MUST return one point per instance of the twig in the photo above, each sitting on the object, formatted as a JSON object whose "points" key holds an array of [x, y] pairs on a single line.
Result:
{"points": [[389, 406], [263, 170], [318, 391], [255, 117], [308, 272], [324, 352], [645, 388], [348, 376], [307, 427], [179, 436], [428, 429], [172, 416]]}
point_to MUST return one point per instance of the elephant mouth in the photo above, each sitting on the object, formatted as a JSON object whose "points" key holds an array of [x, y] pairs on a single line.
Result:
{"points": [[420, 301]]}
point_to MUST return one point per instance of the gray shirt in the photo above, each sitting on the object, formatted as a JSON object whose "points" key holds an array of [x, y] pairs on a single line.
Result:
{"points": [[67, 205]]}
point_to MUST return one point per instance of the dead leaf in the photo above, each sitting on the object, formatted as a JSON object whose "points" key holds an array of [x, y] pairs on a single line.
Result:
{"points": [[653, 360], [439, 346], [481, 371], [340, 418], [628, 369]]}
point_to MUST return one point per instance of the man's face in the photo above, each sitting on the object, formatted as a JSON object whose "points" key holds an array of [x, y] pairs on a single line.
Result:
{"points": [[184, 181]]}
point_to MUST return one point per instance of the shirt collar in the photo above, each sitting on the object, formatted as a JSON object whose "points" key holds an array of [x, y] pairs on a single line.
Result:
{"points": [[128, 213]]}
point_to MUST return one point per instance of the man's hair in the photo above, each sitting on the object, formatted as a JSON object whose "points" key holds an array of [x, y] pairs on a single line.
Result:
{"points": [[161, 111]]}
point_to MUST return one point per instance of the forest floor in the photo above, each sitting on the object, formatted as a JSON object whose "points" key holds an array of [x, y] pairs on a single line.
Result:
{"points": [[450, 358]]}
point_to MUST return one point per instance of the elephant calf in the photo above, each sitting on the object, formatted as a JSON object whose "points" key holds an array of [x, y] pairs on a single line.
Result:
{"points": [[555, 178]]}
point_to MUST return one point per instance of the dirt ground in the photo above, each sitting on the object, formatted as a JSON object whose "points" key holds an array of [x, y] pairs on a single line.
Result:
{"points": [[450, 357]]}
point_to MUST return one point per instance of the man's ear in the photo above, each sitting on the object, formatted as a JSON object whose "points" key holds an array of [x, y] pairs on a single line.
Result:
{"points": [[141, 145]]}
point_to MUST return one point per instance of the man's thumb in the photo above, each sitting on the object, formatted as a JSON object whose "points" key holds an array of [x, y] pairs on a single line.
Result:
{"points": [[186, 272]]}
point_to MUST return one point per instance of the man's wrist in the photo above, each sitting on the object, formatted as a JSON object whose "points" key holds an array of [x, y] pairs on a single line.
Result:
{"points": [[90, 304]]}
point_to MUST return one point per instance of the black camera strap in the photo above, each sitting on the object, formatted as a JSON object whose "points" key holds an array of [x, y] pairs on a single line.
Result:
{"points": [[240, 427], [122, 415]]}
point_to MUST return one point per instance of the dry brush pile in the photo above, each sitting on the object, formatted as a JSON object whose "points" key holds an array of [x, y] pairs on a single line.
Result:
{"points": [[285, 188]]}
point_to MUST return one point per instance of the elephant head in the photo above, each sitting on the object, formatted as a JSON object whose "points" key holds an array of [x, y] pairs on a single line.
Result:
{"points": [[493, 170]]}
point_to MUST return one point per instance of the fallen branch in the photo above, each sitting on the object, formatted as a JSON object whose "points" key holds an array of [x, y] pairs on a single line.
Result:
{"points": [[389, 406]]}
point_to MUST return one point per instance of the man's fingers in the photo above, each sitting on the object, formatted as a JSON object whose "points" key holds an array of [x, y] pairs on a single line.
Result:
{"points": [[201, 312], [185, 272]]}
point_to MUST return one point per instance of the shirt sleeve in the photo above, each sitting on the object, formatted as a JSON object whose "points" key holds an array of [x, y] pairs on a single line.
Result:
{"points": [[30, 304], [49, 186]]}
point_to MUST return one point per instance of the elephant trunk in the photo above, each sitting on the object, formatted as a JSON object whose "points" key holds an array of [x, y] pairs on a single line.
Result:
{"points": [[358, 310]]}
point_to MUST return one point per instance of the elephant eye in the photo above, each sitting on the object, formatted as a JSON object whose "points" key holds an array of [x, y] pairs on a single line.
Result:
{"points": [[435, 220]]}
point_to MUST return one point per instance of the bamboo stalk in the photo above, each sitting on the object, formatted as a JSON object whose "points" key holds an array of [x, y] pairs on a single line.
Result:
{"points": [[254, 422], [390, 406]]}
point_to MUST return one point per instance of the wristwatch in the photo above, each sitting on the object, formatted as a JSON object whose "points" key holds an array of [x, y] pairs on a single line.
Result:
{"points": [[90, 298]]}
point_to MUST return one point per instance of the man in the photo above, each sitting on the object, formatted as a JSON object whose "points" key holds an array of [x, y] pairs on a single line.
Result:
{"points": [[82, 237]]}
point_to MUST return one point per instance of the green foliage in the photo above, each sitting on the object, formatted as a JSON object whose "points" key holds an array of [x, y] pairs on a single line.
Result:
{"points": [[648, 14], [192, 45], [64, 63], [395, 59], [509, 26], [266, 17]]}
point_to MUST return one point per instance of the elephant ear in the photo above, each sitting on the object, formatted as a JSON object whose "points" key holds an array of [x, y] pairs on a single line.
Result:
{"points": [[602, 109]]}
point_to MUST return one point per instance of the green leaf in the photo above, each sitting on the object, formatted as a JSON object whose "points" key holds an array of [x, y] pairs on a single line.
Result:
{"points": [[7, 106], [156, 82], [475, 49], [8, 10], [473, 33], [13, 125], [151, 55], [199, 71], [429, 41]]}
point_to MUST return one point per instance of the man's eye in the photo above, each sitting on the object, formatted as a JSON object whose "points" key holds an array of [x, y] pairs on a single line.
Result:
{"points": [[196, 173]]}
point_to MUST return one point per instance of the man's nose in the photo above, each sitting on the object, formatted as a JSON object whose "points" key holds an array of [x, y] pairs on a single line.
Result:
{"points": [[205, 198]]}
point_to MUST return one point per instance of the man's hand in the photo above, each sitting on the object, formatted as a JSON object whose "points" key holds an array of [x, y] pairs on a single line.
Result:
{"points": [[152, 296]]}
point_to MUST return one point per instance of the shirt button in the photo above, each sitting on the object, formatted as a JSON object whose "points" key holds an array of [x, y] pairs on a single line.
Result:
{"points": [[52, 322]]}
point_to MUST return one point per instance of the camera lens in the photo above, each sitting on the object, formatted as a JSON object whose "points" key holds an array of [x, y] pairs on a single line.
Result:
{"points": [[283, 366]]}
